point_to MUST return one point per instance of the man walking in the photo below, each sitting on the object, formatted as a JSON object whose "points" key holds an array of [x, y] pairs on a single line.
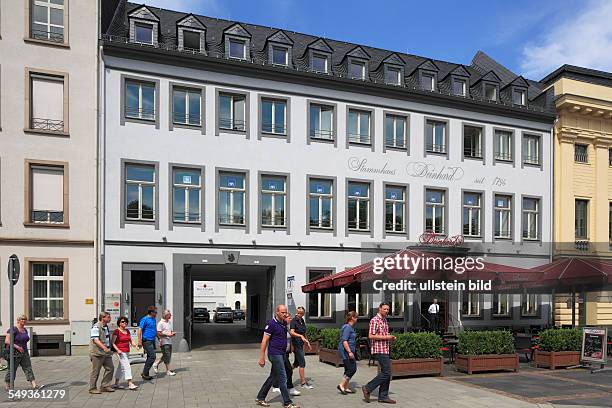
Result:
{"points": [[380, 338], [298, 338], [147, 335], [101, 355], [434, 315], [165, 335], [275, 340]]}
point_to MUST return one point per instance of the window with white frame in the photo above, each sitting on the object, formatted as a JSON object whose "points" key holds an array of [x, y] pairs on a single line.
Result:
{"points": [[321, 199], [273, 201], [139, 100], [140, 192], [472, 142], [396, 303], [47, 194], [321, 122], [395, 209], [490, 91], [358, 206], [143, 33], [359, 127], [186, 106], [187, 195], [47, 102], [232, 199], [47, 20], [395, 131], [529, 304], [237, 48], [503, 145], [319, 63], [518, 97], [393, 76], [470, 306], [361, 303], [357, 70], [435, 136], [531, 218], [459, 87], [502, 211], [501, 304], [274, 116], [232, 112], [319, 304], [280, 56], [435, 211], [428, 81], [531, 149], [581, 219], [472, 214], [47, 291]]}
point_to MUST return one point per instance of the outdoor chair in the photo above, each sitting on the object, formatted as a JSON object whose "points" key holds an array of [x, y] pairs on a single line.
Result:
{"points": [[524, 345]]}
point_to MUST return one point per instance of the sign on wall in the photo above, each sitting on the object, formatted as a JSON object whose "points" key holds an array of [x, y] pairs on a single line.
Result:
{"points": [[112, 304], [207, 288]]}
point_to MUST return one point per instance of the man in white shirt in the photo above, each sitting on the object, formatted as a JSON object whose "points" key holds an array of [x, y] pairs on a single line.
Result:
{"points": [[165, 334], [434, 315]]}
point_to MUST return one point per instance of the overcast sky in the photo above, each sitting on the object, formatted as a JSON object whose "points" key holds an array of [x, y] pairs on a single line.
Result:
{"points": [[529, 37]]}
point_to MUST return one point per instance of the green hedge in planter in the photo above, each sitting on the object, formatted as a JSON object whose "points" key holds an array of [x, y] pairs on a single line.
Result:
{"points": [[472, 342], [330, 338], [416, 345], [313, 333], [560, 340]]}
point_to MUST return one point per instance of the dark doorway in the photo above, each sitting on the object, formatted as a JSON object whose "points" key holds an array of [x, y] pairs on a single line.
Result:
{"points": [[143, 294], [426, 301]]}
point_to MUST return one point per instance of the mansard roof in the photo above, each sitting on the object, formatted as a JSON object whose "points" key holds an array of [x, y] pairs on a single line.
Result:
{"points": [[280, 37], [191, 21], [143, 12]]}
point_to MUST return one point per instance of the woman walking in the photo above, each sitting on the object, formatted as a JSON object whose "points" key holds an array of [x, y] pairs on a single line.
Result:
{"points": [[346, 350], [121, 341], [22, 357]]}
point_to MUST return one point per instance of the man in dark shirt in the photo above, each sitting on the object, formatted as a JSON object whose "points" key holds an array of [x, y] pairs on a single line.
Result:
{"points": [[298, 339], [275, 340]]}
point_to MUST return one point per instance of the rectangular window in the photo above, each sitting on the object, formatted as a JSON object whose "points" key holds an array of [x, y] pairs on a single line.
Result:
{"points": [[273, 201], [191, 40], [47, 102], [396, 303], [501, 304], [503, 216], [359, 127], [581, 219], [459, 87], [435, 211], [531, 218], [470, 306], [393, 76], [140, 192], [186, 105], [232, 110], [47, 291], [237, 49], [581, 153], [47, 194], [428, 82], [435, 137], [529, 304], [503, 145], [232, 199], [395, 209], [280, 56], [319, 63], [472, 142], [610, 222], [319, 304], [395, 131], [357, 70], [358, 206], [490, 92], [143, 33], [187, 192], [472, 214], [274, 116], [47, 20], [610, 157], [359, 302], [322, 122], [531, 149], [321, 203], [140, 100], [518, 97]]}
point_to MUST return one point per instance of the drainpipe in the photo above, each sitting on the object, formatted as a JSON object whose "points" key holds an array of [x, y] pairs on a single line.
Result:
{"points": [[100, 179]]}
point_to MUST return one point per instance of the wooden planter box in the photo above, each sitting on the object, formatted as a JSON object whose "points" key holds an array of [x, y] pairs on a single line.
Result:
{"points": [[416, 366], [316, 346], [487, 362], [554, 359], [329, 356]]}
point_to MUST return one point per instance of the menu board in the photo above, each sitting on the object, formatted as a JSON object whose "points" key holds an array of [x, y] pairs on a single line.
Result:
{"points": [[135, 351], [594, 345]]}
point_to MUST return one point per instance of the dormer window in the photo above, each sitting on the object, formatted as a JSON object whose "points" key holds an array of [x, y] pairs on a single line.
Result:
{"points": [[237, 48], [191, 40], [518, 97], [393, 76], [459, 87], [319, 63], [191, 34], [490, 91], [428, 81], [280, 56], [357, 70], [143, 33], [144, 26]]}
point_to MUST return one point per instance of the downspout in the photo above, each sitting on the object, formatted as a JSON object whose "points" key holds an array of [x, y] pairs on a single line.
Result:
{"points": [[100, 170], [553, 145], [97, 206]]}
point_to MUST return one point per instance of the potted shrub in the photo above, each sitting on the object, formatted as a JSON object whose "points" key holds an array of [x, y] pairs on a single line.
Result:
{"points": [[313, 334], [328, 353], [416, 354], [558, 348], [486, 351]]}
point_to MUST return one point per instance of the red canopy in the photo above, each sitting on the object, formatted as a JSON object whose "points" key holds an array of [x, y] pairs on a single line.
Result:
{"points": [[573, 271]]}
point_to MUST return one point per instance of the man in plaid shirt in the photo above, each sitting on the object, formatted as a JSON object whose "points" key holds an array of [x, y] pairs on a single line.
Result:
{"points": [[380, 338]]}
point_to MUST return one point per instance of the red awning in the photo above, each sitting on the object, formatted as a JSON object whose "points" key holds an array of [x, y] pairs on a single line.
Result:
{"points": [[573, 271]]}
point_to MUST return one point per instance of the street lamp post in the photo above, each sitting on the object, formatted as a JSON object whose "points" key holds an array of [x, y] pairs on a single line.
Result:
{"points": [[13, 276]]}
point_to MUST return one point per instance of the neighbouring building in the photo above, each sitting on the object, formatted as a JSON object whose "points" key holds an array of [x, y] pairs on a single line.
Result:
{"points": [[583, 180], [48, 131], [211, 294], [236, 152]]}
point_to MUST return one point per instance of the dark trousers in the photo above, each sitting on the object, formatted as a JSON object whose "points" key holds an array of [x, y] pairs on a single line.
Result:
{"points": [[383, 379], [149, 348], [23, 360], [288, 372], [434, 318], [279, 375], [350, 367]]}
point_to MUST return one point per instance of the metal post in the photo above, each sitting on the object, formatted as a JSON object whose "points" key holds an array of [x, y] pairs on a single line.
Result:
{"points": [[573, 307], [12, 335]]}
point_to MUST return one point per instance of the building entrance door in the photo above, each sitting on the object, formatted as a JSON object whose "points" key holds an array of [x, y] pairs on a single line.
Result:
{"points": [[143, 286]]}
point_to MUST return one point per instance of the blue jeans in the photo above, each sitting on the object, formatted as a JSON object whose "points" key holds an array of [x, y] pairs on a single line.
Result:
{"points": [[149, 348], [383, 378], [278, 375], [350, 367]]}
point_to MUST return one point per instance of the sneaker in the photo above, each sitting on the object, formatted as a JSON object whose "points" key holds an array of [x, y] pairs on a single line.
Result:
{"points": [[293, 392], [292, 405], [95, 391], [307, 386], [107, 389], [146, 377], [171, 373], [262, 403], [154, 368], [277, 390]]}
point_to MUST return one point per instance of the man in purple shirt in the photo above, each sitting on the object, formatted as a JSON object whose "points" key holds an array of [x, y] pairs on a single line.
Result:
{"points": [[275, 340]]}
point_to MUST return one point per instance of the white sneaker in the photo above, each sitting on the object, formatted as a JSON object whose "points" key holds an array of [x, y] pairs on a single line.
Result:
{"points": [[293, 392], [307, 386], [171, 373], [277, 390], [154, 368]]}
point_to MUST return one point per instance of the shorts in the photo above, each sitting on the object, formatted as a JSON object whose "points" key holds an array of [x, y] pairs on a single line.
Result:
{"points": [[298, 351], [166, 353]]}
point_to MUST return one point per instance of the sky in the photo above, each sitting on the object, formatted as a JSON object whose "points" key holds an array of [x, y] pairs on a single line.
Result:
{"points": [[530, 37]]}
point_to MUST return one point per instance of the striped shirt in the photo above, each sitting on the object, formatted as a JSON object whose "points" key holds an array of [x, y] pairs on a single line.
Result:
{"points": [[379, 327]]}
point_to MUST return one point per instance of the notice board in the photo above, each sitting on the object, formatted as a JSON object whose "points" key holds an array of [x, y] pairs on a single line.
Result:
{"points": [[594, 345]]}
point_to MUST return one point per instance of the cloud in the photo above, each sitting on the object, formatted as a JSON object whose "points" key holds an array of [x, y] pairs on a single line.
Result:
{"points": [[584, 39], [206, 7]]}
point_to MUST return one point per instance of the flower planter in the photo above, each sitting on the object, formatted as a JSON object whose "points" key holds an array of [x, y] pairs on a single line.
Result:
{"points": [[329, 356], [554, 359], [316, 346], [415, 366], [487, 362]]}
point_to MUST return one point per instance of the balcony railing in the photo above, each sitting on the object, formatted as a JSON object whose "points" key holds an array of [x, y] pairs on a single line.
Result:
{"points": [[581, 157], [359, 138], [50, 125], [47, 36], [47, 217], [435, 148], [186, 118], [276, 129], [231, 219], [139, 113], [472, 152], [232, 124], [321, 134], [582, 244], [505, 156], [531, 160], [181, 216], [276, 221]]}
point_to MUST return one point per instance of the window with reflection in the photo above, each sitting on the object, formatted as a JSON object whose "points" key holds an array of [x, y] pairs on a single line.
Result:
{"points": [[321, 199], [273, 116], [273, 201], [140, 192], [395, 209], [186, 192], [232, 112], [231, 199], [435, 211]]}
